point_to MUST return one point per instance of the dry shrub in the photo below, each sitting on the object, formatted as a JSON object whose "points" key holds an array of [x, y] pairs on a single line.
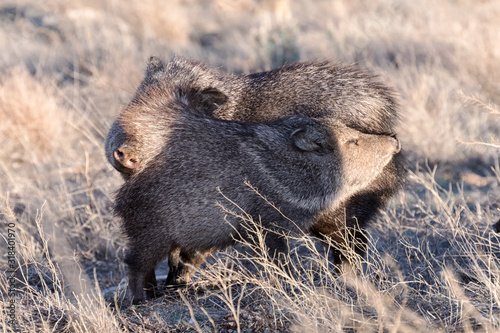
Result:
{"points": [[432, 265], [493, 140]]}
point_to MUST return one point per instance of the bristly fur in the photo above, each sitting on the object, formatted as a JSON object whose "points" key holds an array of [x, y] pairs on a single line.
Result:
{"points": [[323, 90], [169, 207]]}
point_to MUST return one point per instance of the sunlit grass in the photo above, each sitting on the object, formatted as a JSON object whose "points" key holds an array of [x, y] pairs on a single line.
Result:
{"points": [[433, 259]]}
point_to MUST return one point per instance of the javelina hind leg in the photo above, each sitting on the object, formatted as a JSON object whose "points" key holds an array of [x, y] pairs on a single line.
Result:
{"points": [[276, 246], [182, 266]]}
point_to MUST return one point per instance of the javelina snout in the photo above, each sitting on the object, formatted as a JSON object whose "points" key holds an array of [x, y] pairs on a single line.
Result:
{"points": [[123, 159], [363, 155], [169, 206]]}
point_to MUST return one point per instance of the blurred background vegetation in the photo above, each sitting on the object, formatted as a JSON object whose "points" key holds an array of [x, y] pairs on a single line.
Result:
{"points": [[67, 67]]}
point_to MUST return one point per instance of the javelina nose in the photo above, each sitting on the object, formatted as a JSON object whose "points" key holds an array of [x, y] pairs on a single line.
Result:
{"points": [[118, 155], [124, 158], [397, 143]]}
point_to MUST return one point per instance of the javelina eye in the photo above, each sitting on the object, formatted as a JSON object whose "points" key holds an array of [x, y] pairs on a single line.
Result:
{"points": [[353, 141]]}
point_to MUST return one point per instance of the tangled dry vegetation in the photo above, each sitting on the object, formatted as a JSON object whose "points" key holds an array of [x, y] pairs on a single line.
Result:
{"points": [[433, 261]]}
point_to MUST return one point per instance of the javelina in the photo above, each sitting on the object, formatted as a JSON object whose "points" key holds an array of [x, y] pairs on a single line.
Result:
{"points": [[323, 90], [319, 89], [301, 165]]}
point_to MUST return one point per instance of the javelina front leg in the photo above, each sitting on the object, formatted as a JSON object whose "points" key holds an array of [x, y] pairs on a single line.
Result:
{"points": [[141, 274], [140, 280], [345, 224], [355, 239], [276, 246], [357, 214], [150, 283], [342, 227]]}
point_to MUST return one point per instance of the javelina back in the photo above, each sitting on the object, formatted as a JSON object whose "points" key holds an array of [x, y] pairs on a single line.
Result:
{"points": [[318, 89], [169, 207]]}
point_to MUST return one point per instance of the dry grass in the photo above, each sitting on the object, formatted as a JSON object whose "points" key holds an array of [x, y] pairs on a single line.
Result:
{"points": [[433, 261]]}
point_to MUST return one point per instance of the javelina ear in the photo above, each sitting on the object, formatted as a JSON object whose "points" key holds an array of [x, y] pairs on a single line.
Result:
{"points": [[155, 64], [307, 138], [211, 99]]}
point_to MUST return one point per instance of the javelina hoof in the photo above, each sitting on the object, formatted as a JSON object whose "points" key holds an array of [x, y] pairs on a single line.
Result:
{"points": [[496, 226]]}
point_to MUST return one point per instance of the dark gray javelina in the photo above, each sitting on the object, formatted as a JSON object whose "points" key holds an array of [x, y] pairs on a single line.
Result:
{"points": [[169, 208], [324, 90], [319, 89]]}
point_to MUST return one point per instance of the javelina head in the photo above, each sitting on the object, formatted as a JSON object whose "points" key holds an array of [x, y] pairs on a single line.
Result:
{"points": [[364, 156], [123, 149], [143, 127], [311, 162]]}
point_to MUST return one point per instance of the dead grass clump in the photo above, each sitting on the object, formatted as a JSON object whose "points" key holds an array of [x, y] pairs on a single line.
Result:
{"points": [[493, 140], [46, 298], [33, 120]]}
